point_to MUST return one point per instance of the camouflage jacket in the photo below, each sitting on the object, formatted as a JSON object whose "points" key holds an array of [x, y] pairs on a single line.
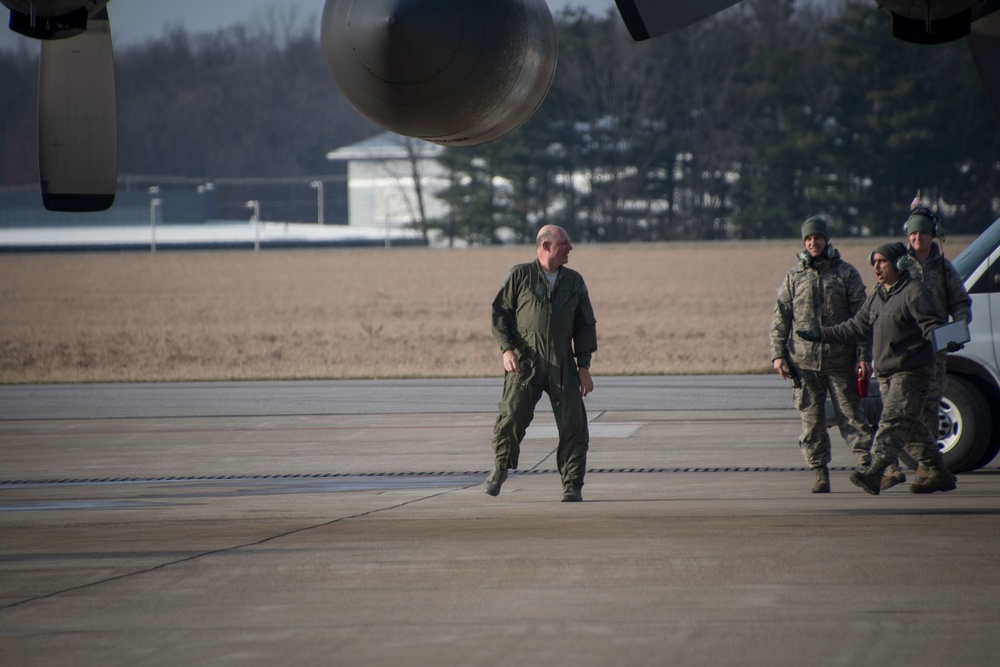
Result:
{"points": [[815, 294], [553, 329], [939, 276]]}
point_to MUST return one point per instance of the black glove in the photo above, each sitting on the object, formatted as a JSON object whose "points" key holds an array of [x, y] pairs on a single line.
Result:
{"points": [[813, 335], [954, 347]]}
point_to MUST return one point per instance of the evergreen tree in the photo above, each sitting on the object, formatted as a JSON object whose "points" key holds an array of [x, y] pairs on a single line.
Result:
{"points": [[909, 117]]}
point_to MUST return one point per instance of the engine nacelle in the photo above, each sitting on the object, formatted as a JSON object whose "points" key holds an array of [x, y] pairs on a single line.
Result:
{"points": [[452, 72], [51, 19], [931, 21]]}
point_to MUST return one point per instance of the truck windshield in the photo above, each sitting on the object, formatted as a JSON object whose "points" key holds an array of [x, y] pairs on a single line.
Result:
{"points": [[977, 251]]}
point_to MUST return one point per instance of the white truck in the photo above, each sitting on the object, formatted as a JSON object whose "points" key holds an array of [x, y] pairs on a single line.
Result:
{"points": [[969, 432]]}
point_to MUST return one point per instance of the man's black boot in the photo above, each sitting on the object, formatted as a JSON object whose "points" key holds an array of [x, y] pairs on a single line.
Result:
{"points": [[493, 483], [572, 494], [870, 480]]}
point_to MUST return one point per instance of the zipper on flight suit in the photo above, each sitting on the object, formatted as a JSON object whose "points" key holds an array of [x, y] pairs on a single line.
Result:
{"points": [[556, 405]]}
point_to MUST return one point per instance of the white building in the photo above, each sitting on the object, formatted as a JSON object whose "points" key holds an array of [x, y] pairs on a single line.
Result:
{"points": [[381, 187]]}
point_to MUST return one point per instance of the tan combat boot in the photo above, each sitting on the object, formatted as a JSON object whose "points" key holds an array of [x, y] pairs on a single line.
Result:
{"points": [[893, 476], [822, 484], [937, 480]]}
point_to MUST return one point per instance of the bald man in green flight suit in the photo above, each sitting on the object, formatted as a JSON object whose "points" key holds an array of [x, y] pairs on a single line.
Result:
{"points": [[545, 326]]}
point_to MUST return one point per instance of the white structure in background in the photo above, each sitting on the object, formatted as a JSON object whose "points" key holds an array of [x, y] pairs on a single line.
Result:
{"points": [[381, 188]]}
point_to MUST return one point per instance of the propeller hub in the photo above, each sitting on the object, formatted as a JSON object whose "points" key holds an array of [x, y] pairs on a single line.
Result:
{"points": [[400, 42]]}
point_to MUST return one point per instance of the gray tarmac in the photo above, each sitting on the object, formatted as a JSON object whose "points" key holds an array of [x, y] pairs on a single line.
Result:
{"points": [[329, 523]]}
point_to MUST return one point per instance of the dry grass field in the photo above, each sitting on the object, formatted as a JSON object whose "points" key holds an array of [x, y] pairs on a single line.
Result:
{"points": [[678, 308]]}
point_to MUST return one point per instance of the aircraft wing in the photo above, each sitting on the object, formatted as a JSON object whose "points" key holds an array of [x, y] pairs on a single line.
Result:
{"points": [[433, 69], [652, 18]]}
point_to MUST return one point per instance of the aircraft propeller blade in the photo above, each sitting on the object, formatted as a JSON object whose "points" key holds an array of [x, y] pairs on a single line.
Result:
{"points": [[984, 43], [77, 120], [652, 18]]}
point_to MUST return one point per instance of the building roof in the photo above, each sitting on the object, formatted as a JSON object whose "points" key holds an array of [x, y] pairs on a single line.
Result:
{"points": [[385, 146]]}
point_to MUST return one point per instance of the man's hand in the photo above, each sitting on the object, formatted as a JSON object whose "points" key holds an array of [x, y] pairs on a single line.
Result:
{"points": [[781, 366], [812, 335], [866, 369], [510, 362], [586, 381], [954, 346]]}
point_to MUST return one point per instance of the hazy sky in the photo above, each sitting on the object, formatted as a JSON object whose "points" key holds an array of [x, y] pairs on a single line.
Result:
{"points": [[133, 20]]}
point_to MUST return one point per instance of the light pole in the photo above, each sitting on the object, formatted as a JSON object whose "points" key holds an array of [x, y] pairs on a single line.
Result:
{"points": [[255, 205], [318, 185], [153, 205], [206, 200]]}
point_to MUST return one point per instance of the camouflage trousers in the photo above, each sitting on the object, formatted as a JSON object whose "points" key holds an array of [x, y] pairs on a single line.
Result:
{"points": [[902, 424], [810, 400], [935, 392], [930, 414]]}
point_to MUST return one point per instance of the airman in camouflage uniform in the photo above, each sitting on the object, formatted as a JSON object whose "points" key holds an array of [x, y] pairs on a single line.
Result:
{"points": [[899, 318], [926, 263], [822, 289], [546, 329]]}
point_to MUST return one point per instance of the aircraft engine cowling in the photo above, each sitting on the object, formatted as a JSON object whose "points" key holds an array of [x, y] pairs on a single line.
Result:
{"points": [[452, 72], [931, 21]]}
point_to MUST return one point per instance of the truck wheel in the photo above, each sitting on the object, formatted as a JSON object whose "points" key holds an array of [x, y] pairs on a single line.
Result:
{"points": [[991, 452], [965, 425]]}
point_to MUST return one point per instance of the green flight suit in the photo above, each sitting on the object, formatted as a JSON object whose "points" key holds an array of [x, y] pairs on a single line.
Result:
{"points": [[553, 331]]}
